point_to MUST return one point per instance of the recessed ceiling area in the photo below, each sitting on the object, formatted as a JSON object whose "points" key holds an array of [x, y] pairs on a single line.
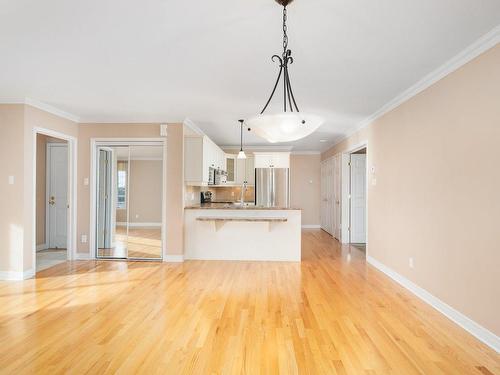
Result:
{"points": [[164, 60]]}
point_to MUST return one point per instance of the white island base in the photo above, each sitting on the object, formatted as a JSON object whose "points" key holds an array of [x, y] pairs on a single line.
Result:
{"points": [[242, 234]]}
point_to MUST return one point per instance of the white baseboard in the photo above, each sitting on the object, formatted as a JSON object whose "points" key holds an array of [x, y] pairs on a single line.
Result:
{"points": [[173, 258], [15, 275], [82, 256], [314, 226], [41, 247], [139, 225], [478, 331]]}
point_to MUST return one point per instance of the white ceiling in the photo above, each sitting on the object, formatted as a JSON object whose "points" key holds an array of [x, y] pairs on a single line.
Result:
{"points": [[165, 60]]}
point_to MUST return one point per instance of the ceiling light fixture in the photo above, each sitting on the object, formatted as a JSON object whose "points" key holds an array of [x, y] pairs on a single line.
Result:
{"points": [[241, 154], [291, 124]]}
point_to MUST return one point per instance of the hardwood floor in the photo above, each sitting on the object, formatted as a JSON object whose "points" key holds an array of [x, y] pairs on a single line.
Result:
{"points": [[332, 314], [138, 243]]}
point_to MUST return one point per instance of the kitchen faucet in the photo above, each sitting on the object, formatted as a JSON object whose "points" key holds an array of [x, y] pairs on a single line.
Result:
{"points": [[243, 190]]}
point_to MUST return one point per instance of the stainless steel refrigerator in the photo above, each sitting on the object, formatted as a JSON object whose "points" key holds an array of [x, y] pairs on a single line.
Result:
{"points": [[272, 187]]}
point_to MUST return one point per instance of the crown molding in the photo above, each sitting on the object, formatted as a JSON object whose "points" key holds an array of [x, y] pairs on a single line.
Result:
{"points": [[50, 109], [484, 43], [191, 125], [306, 152], [263, 148]]}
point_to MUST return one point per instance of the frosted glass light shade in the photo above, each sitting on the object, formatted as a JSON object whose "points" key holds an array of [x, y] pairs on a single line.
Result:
{"points": [[285, 126], [241, 155]]}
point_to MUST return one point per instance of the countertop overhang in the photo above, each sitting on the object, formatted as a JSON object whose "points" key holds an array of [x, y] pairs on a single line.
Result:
{"points": [[228, 206]]}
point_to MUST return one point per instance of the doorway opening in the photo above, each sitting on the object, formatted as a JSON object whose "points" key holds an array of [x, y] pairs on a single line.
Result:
{"points": [[358, 199], [52, 201], [128, 200]]}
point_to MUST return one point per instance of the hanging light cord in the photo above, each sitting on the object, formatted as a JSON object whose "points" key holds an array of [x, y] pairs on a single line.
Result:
{"points": [[285, 59], [241, 135]]}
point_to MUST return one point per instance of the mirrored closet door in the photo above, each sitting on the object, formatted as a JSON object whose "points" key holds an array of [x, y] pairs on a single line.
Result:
{"points": [[129, 185]]}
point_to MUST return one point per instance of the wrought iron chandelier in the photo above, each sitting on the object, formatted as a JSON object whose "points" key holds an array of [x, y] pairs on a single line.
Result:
{"points": [[291, 124]]}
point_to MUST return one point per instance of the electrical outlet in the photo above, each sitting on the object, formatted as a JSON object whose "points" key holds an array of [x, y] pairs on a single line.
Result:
{"points": [[410, 263], [84, 238], [86, 181], [232, 193], [137, 216], [374, 181]]}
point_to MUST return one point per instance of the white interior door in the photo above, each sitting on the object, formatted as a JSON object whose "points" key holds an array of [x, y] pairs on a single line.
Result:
{"points": [[105, 197], [57, 195], [358, 198], [323, 197], [337, 172], [329, 196]]}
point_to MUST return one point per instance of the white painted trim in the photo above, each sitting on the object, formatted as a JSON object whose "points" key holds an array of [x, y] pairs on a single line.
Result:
{"points": [[484, 43], [72, 144], [191, 125], [314, 226], [478, 331], [50, 109], [346, 188], [82, 256], [305, 153], [41, 247], [94, 142], [173, 258], [138, 225], [16, 276], [265, 148]]}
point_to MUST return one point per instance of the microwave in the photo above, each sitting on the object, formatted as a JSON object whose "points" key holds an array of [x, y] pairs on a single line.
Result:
{"points": [[217, 176]]}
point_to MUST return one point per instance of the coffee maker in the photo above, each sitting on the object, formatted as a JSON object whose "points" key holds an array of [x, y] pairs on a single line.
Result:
{"points": [[206, 197]]}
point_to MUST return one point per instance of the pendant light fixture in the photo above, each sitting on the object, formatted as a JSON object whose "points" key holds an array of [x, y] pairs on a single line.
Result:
{"points": [[291, 124], [241, 154]]}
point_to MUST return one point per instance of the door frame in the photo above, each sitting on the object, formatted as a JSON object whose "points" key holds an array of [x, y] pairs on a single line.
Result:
{"points": [[47, 188], [72, 144], [94, 143], [345, 220]]}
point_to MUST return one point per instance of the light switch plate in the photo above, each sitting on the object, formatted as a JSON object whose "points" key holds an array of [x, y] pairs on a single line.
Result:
{"points": [[11, 180], [374, 181], [86, 181], [84, 238]]}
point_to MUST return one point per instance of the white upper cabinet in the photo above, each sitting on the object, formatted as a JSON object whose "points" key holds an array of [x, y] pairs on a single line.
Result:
{"points": [[200, 154], [245, 171], [272, 159], [231, 168]]}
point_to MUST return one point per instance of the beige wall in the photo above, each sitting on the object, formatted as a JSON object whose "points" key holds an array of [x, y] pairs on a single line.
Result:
{"points": [[438, 184], [11, 196], [175, 189], [18, 147], [305, 184]]}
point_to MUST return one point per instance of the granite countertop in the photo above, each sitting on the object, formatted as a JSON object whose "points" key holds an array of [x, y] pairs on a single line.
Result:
{"points": [[232, 206]]}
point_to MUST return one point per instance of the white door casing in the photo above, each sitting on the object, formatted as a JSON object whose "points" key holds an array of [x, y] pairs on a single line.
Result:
{"points": [[337, 196], [57, 195], [358, 198]]}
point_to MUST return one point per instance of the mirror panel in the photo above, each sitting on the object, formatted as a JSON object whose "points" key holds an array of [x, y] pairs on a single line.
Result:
{"points": [[112, 201], [145, 202]]}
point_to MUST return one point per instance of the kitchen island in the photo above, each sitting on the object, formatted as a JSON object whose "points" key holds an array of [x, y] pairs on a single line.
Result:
{"points": [[217, 231]]}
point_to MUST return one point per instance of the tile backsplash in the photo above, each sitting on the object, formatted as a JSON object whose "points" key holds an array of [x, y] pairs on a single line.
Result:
{"points": [[226, 194]]}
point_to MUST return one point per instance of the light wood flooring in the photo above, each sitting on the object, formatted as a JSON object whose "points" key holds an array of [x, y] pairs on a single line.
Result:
{"points": [[331, 314], [138, 243]]}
